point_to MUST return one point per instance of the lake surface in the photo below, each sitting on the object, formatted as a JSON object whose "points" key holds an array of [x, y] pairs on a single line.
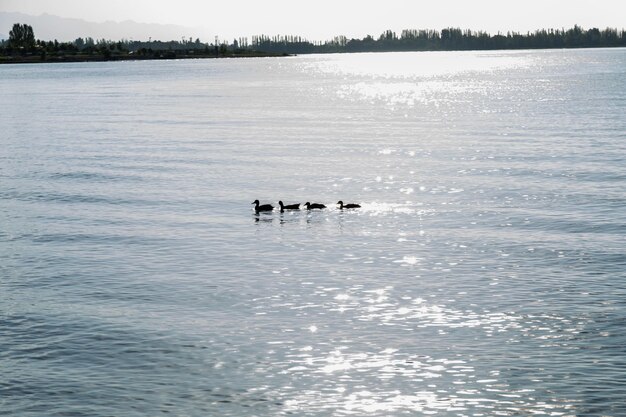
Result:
{"points": [[484, 275]]}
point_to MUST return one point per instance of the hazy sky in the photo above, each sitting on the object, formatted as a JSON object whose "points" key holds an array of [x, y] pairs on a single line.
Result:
{"points": [[322, 19]]}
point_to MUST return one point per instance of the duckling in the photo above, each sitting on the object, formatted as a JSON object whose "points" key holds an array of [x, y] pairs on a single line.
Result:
{"points": [[347, 206], [310, 206], [288, 206], [264, 207]]}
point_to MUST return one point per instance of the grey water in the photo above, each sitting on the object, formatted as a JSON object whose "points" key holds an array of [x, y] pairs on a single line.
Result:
{"points": [[484, 274]]}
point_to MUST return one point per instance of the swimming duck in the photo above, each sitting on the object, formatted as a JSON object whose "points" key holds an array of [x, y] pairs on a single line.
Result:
{"points": [[264, 207], [347, 206], [310, 206], [288, 206]]}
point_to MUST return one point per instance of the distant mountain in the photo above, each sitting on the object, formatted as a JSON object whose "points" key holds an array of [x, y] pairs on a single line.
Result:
{"points": [[49, 27]]}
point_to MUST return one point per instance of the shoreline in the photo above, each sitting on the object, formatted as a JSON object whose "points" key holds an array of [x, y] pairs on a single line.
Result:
{"points": [[38, 59], [167, 55]]}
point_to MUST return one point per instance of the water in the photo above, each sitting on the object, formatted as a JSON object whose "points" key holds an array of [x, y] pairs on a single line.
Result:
{"points": [[484, 274]]}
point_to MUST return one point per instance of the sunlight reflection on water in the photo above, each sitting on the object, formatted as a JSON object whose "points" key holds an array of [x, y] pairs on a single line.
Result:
{"points": [[483, 274], [356, 381], [419, 64], [445, 382]]}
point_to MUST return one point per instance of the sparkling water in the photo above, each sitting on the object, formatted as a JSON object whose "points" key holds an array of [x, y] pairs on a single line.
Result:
{"points": [[484, 274]]}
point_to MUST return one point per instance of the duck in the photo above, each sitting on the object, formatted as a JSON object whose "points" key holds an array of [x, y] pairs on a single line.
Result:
{"points": [[310, 206], [259, 208], [347, 206], [288, 206]]}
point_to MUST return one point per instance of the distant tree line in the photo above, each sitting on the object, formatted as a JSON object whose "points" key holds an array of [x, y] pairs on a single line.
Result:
{"points": [[446, 40], [22, 46], [22, 42]]}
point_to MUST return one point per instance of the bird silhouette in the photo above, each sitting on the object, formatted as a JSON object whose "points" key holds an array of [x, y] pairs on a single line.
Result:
{"points": [[347, 206], [310, 206], [259, 208], [288, 206]]}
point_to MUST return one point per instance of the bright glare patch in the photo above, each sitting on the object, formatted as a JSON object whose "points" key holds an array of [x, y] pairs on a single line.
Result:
{"points": [[409, 260]]}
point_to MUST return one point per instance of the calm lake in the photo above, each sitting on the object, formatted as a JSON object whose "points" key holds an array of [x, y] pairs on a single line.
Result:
{"points": [[484, 275]]}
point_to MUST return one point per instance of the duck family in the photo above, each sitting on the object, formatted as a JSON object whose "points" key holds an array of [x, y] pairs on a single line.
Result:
{"points": [[260, 208]]}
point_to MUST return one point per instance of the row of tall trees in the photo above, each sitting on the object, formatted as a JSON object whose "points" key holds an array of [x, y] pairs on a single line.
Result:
{"points": [[22, 41], [448, 39], [23, 45]]}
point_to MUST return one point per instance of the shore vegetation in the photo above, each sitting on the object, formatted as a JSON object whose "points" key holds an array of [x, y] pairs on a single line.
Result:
{"points": [[22, 46]]}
